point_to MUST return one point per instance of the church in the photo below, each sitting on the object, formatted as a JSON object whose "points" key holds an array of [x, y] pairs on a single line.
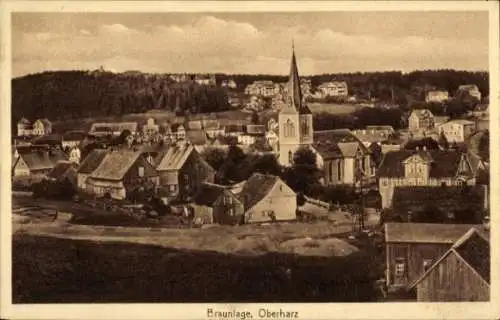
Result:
{"points": [[341, 156]]}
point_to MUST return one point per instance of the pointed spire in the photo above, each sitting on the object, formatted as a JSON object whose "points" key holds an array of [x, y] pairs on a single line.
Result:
{"points": [[294, 91]]}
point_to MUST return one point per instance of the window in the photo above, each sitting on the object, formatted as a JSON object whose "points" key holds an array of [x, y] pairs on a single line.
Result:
{"points": [[290, 157], [289, 128], [172, 187], [305, 127], [141, 171], [426, 264], [400, 269], [339, 169], [229, 200], [230, 211], [186, 179]]}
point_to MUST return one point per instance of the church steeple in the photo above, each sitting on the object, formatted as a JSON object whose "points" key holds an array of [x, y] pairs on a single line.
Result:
{"points": [[294, 90]]}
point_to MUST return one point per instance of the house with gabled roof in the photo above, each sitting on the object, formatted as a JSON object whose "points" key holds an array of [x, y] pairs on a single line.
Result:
{"points": [[121, 172], [433, 168], [36, 161], [88, 165], [62, 171], [42, 127], [343, 158], [267, 198], [215, 203], [412, 248], [420, 120], [72, 138], [181, 172], [460, 274]]}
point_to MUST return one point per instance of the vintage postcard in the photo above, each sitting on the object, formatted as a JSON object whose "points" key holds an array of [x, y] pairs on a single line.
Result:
{"points": [[249, 160]]}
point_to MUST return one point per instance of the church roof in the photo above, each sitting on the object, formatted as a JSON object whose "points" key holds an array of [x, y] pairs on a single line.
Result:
{"points": [[294, 90]]}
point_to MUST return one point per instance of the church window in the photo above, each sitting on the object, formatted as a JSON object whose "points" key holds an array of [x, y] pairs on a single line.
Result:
{"points": [[290, 157], [289, 128], [305, 127]]}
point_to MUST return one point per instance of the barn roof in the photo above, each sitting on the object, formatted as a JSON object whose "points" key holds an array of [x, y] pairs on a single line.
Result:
{"points": [[41, 159], [175, 157], [115, 165], [256, 188], [60, 169], [92, 161], [208, 193], [409, 232], [474, 250]]}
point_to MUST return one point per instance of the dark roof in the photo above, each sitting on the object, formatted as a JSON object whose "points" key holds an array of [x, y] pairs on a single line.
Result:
{"points": [[48, 139], [444, 163], [474, 250], [41, 159], [256, 129], [92, 161], [409, 232], [337, 143], [115, 165], [234, 128], [207, 194], [60, 169], [256, 188], [449, 197], [197, 137], [74, 136]]}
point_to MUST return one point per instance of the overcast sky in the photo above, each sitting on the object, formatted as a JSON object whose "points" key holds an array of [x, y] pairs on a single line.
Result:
{"points": [[249, 42]]}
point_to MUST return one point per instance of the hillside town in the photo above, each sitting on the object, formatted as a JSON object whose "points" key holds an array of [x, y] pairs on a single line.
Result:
{"points": [[422, 190]]}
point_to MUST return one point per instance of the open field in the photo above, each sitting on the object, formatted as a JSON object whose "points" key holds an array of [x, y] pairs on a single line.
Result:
{"points": [[333, 108], [49, 270]]}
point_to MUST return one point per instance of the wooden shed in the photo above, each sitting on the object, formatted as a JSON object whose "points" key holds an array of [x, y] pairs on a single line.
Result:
{"points": [[412, 248], [461, 274]]}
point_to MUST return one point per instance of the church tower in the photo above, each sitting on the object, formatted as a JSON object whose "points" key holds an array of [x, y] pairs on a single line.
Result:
{"points": [[295, 119]]}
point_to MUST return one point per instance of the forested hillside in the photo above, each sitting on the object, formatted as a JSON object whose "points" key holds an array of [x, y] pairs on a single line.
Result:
{"points": [[75, 94]]}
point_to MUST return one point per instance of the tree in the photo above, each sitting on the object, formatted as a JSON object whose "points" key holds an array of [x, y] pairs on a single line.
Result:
{"points": [[215, 157], [303, 174], [267, 164], [236, 168], [254, 118], [484, 146]]}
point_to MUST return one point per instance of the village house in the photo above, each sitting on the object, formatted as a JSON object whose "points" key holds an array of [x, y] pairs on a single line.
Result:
{"points": [[42, 127], [72, 139], [470, 89], [205, 80], [265, 198], [461, 274], [121, 172], [343, 158], [420, 120], [182, 170], [434, 168], [263, 88], [24, 128], [178, 131], [36, 162], [252, 134], [63, 170], [150, 128], [437, 96], [234, 130], [333, 89], [217, 204], [412, 248], [228, 84], [113, 128], [457, 130], [387, 130], [88, 166], [75, 155]]}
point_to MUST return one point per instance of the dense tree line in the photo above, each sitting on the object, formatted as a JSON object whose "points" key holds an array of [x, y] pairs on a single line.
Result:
{"points": [[359, 119], [76, 94]]}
